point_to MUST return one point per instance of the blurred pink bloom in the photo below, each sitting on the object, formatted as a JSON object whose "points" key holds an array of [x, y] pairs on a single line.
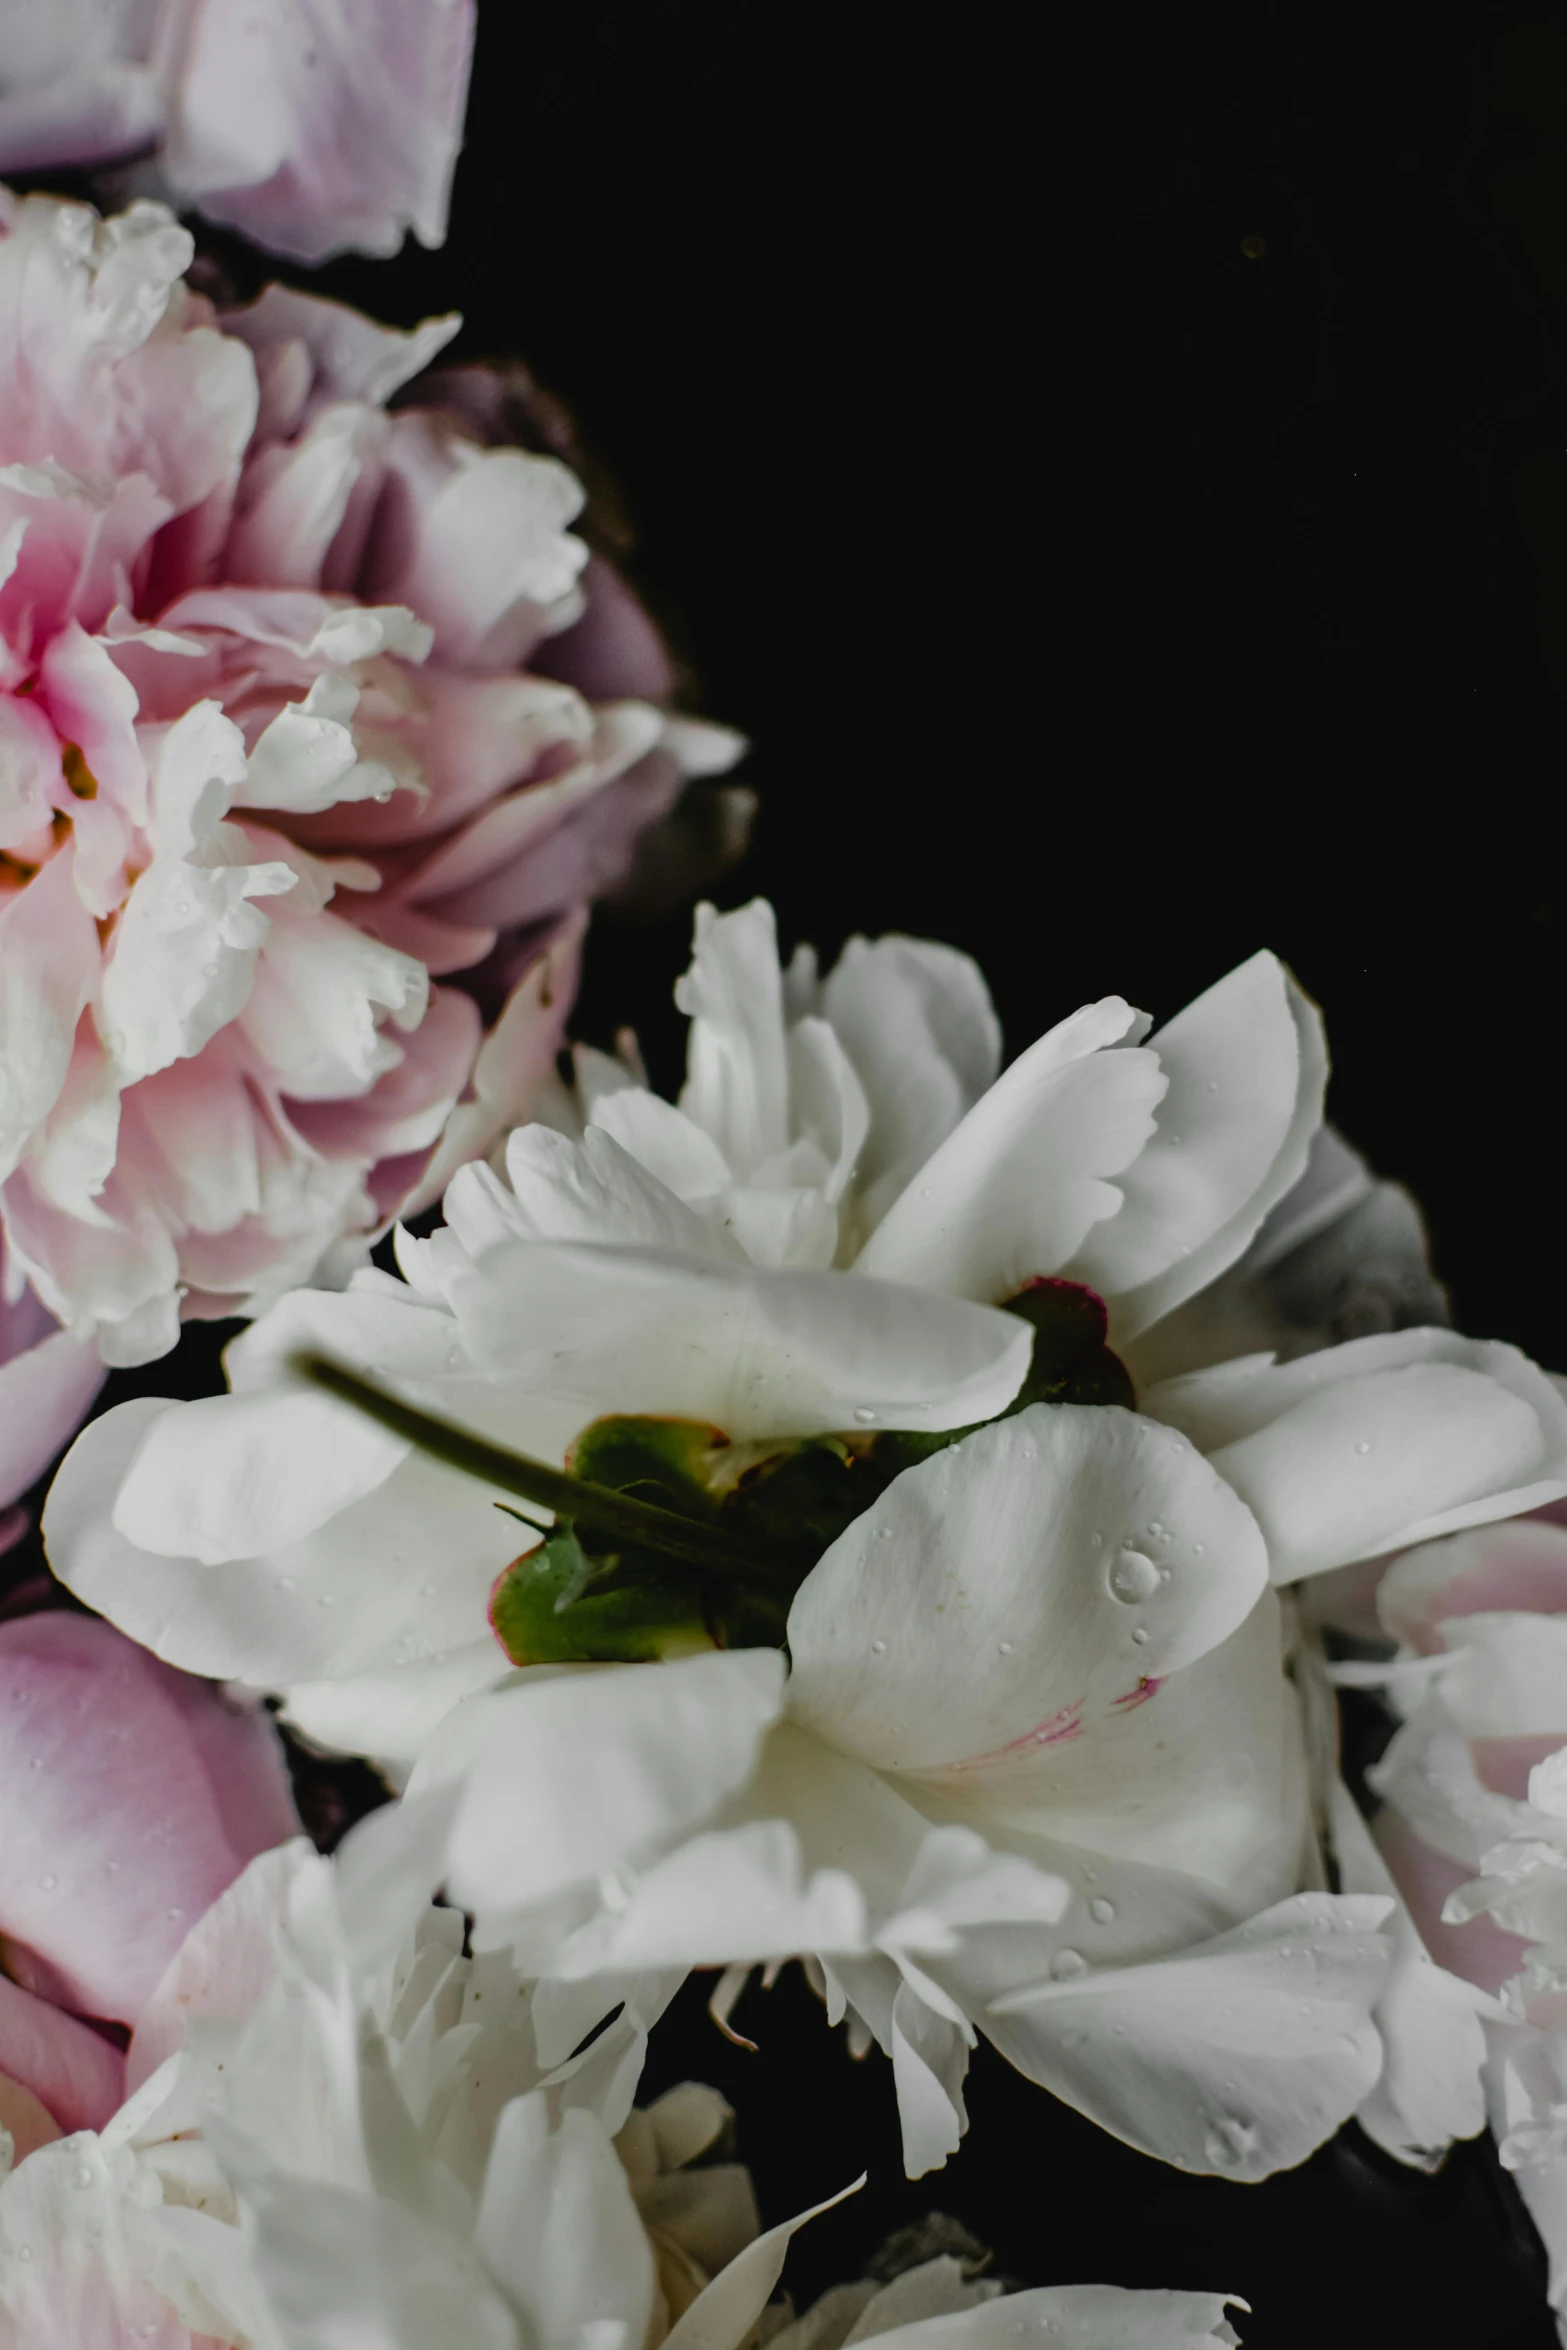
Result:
{"points": [[315, 126], [47, 1381], [271, 763], [135, 1795], [1455, 1779]]}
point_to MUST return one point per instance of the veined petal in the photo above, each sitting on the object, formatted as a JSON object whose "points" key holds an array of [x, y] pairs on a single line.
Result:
{"points": [[1013, 1191]]}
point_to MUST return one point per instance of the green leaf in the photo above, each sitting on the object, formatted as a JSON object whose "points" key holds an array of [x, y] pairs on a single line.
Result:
{"points": [[546, 1609]]}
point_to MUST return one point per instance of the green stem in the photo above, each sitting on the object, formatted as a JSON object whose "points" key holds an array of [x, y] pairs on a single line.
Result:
{"points": [[642, 1524]]}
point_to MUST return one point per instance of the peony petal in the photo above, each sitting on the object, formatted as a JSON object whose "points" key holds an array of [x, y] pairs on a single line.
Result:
{"points": [[145, 1795], [226, 1962], [316, 129], [45, 1394], [1376, 1444], [1016, 1585], [754, 1353], [1234, 2058], [77, 2076], [916, 1021], [1013, 1191], [1518, 1565], [48, 968], [565, 1776], [1431, 2088], [550, 2195], [723, 2314], [1245, 1065]]}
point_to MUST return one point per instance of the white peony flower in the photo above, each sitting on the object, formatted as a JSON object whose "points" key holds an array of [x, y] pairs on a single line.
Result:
{"points": [[312, 2141], [1036, 1768]]}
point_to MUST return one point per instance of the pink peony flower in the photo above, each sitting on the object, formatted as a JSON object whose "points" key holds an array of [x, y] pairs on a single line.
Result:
{"points": [[315, 126], [135, 1795], [270, 763], [47, 1381]]}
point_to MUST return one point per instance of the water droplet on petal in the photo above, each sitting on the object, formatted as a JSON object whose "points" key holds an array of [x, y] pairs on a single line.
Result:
{"points": [[878, 1648], [1230, 2142], [1133, 1576], [865, 1416], [1101, 1910], [48, 1884], [1007, 1648], [286, 1583], [1362, 1446], [82, 2176], [1140, 1636], [1068, 1963]]}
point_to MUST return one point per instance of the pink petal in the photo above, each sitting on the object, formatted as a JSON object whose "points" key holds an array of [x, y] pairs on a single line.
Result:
{"points": [[136, 1794], [45, 1393], [1517, 1566], [75, 2074], [614, 653], [1478, 1950], [322, 126]]}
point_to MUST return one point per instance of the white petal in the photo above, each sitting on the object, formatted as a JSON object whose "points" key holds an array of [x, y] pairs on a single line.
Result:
{"points": [[917, 1023], [1245, 1065], [1031, 1575], [568, 1775], [1431, 2088], [559, 2231], [754, 1353], [722, 2316], [1013, 1191], [1236, 2058], [737, 1087], [604, 1187], [233, 1475], [1377, 1444], [1078, 2317], [327, 2255], [681, 1155]]}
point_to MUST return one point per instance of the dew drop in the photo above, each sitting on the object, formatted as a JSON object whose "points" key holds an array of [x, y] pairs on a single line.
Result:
{"points": [[1140, 1636], [865, 1416], [82, 2176], [48, 1884], [24, 2252], [878, 1648], [1068, 1963], [326, 1599], [1007, 1648], [1074, 2038], [1363, 1446], [1101, 1910], [37, 1763], [286, 1583], [1229, 2142], [1133, 1576]]}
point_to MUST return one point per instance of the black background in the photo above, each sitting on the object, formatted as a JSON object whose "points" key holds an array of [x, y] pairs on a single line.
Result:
{"points": [[1113, 464]]}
